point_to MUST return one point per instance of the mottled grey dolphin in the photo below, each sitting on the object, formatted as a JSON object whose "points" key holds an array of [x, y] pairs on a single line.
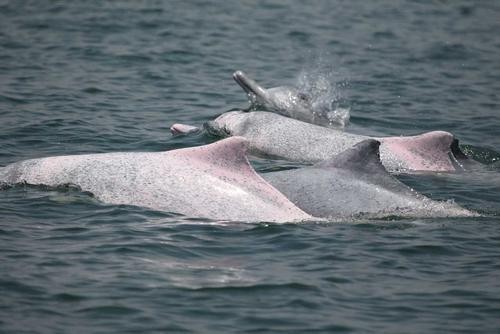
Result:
{"points": [[291, 102], [353, 184], [275, 136], [213, 181]]}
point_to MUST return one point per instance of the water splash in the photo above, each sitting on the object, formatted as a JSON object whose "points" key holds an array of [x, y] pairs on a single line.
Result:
{"points": [[326, 88], [482, 154]]}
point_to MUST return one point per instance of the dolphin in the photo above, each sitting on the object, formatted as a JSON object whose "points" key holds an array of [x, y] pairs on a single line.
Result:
{"points": [[291, 102], [355, 184], [275, 136], [213, 181]]}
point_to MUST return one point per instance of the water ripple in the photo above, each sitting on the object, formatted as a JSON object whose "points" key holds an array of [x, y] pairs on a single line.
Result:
{"points": [[80, 80]]}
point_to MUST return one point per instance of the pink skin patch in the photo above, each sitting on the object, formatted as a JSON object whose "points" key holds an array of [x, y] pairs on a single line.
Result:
{"points": [[227, 160], [212, 181], [183, 129], [426, 152]]}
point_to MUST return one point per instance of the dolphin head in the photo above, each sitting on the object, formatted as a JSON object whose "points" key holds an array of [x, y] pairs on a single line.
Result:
{"points": [[225, 125], [306, 104], [284, 100]]}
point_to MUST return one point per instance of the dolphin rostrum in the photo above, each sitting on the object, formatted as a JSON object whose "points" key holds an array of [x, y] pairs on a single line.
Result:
{"points": [[275, 136], [213, 181], [354, 184]]}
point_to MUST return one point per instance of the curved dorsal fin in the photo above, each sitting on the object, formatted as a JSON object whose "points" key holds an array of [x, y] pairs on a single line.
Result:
{"points": [[364, 156], [226, 159], [227, 153], [427, 151], [440, 140]]}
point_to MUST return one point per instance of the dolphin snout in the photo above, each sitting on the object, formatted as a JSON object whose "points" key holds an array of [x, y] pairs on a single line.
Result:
{"points": [[238, 75], [249, 85]]}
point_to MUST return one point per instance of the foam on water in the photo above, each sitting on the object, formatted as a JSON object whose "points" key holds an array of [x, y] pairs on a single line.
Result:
{"points": [[327, 88]]}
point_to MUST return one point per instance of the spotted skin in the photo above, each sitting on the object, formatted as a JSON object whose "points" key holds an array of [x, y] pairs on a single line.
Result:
{"points": [[213, 181], [281, 137], [354, 184]]}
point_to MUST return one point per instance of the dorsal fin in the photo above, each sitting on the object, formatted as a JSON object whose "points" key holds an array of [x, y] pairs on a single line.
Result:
{"points": [[229, 152], [226, 159], [428, 151], [457, 152], [434, 140], [364, 156], [440, 140]]}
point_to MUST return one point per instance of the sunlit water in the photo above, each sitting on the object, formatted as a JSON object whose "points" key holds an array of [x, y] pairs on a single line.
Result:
{"points": [[93, 76]]}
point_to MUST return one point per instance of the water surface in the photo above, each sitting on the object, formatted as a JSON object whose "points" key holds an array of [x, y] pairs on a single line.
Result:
{"points": [[98, 76]]}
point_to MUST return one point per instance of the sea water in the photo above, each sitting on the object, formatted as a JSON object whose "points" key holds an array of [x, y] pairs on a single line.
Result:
{"points": [[105, 76]]}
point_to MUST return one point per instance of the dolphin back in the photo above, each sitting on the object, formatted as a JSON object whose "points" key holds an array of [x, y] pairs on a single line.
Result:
{"points": [[213, 181], [354, 183], [14, 173]]}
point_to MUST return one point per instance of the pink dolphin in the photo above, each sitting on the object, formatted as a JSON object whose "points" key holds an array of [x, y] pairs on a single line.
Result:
{"points": [[273, 135], [213, 181]]}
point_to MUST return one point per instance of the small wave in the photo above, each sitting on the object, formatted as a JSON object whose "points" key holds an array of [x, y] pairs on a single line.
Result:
{"points": [[93, 90], [20, 287], [11, 99], [252, 288], [447, 52], [435, 250], [68, 297], [109, 310]]}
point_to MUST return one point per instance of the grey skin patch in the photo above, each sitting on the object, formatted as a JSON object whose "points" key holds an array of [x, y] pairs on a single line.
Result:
{"points": [[353, 184]]}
